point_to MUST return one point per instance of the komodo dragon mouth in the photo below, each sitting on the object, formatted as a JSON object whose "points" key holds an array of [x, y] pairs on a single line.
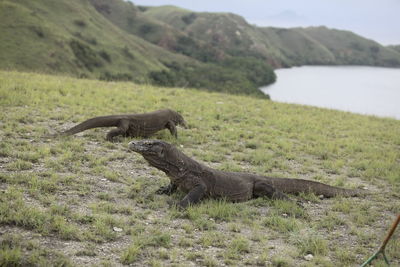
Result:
{"points": [[145, 146], [154, 152]]}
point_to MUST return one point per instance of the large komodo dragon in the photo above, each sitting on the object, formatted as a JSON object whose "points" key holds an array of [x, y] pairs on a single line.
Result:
{"points": [[200, 181], [133, 125]]}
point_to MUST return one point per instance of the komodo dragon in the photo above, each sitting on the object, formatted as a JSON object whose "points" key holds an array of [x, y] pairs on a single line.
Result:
{"points": [[133, 125], [200, 181]]}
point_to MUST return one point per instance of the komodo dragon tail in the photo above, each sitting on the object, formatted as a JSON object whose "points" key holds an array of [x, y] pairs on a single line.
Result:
{"points": [[296, 186], [103, 121]]}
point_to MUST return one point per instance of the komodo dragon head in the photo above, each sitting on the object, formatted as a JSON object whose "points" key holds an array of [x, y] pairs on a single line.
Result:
{"points": [[161, 155], [179, 120]]}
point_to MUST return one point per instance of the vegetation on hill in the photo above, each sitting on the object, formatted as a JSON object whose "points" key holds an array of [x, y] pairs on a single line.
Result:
{"points": [[83, 201], [71, 37], [351, 49], [213, 73], [280, 47], [169, 46], [395, 47], [236, 75], [106, 40]]}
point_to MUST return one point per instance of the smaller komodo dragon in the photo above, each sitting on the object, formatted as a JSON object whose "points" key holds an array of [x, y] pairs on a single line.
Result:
{"points": [[133, 125], [199, 181]]}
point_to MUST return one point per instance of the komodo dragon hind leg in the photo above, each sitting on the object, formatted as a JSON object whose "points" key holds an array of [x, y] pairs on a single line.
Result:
{"points": [[172, 128], [167, 190], [121, 130], [263, 189]]}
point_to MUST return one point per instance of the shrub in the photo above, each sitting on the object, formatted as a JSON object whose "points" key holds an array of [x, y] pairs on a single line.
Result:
{"points": [[188, 19], [127, 53], [105, 55], [107, 76], [146, 29], [80, 23], [38, 30], [85, 55], [142, 8]]}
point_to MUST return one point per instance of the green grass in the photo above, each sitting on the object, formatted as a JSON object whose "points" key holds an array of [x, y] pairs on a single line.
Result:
{"points": [[281, 225], [67, 196], [15, 251], [310, 243]]}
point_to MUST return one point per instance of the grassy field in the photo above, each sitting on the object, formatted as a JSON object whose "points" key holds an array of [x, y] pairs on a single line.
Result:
{"points": [[84, 201]]}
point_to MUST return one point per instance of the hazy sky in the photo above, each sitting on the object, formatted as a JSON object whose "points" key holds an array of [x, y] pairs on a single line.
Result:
{"points": [[375, 19]]}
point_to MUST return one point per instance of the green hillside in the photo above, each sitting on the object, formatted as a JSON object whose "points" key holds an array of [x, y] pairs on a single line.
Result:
{"points": [[296, 48], [280, 47], [167, 46], [395, 47], [70, 37], [112, 40], [83, 201], [351, 49], [229, 33], [129, 18]]}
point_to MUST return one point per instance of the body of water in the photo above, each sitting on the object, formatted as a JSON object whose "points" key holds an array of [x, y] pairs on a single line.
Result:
{"points": [[364, 90]]}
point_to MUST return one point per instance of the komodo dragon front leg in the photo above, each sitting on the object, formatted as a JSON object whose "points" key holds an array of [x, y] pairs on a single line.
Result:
{"points": [[167, 190], [121, 130], [172, 128]]}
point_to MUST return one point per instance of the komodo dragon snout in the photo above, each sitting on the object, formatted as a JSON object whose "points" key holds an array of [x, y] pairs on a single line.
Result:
{"points": [[181, 121], [147, 146], [159, 154]]}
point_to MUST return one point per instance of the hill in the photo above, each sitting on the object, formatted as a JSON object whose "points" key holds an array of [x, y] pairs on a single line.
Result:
{"points": [[395, 47], [295, 48], [214, 71], [95, 39], [280, 47], [229, 33], [71, 37], [129, 18], [350, 49], [168, 46], [83, 201]]}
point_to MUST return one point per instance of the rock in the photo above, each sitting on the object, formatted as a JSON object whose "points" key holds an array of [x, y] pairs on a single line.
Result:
{"points": [[321, 196], [308, 257]]}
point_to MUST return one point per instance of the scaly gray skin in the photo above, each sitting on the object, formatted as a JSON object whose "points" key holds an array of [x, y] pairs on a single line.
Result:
{"points": [[133, 125], [199, 181]]}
